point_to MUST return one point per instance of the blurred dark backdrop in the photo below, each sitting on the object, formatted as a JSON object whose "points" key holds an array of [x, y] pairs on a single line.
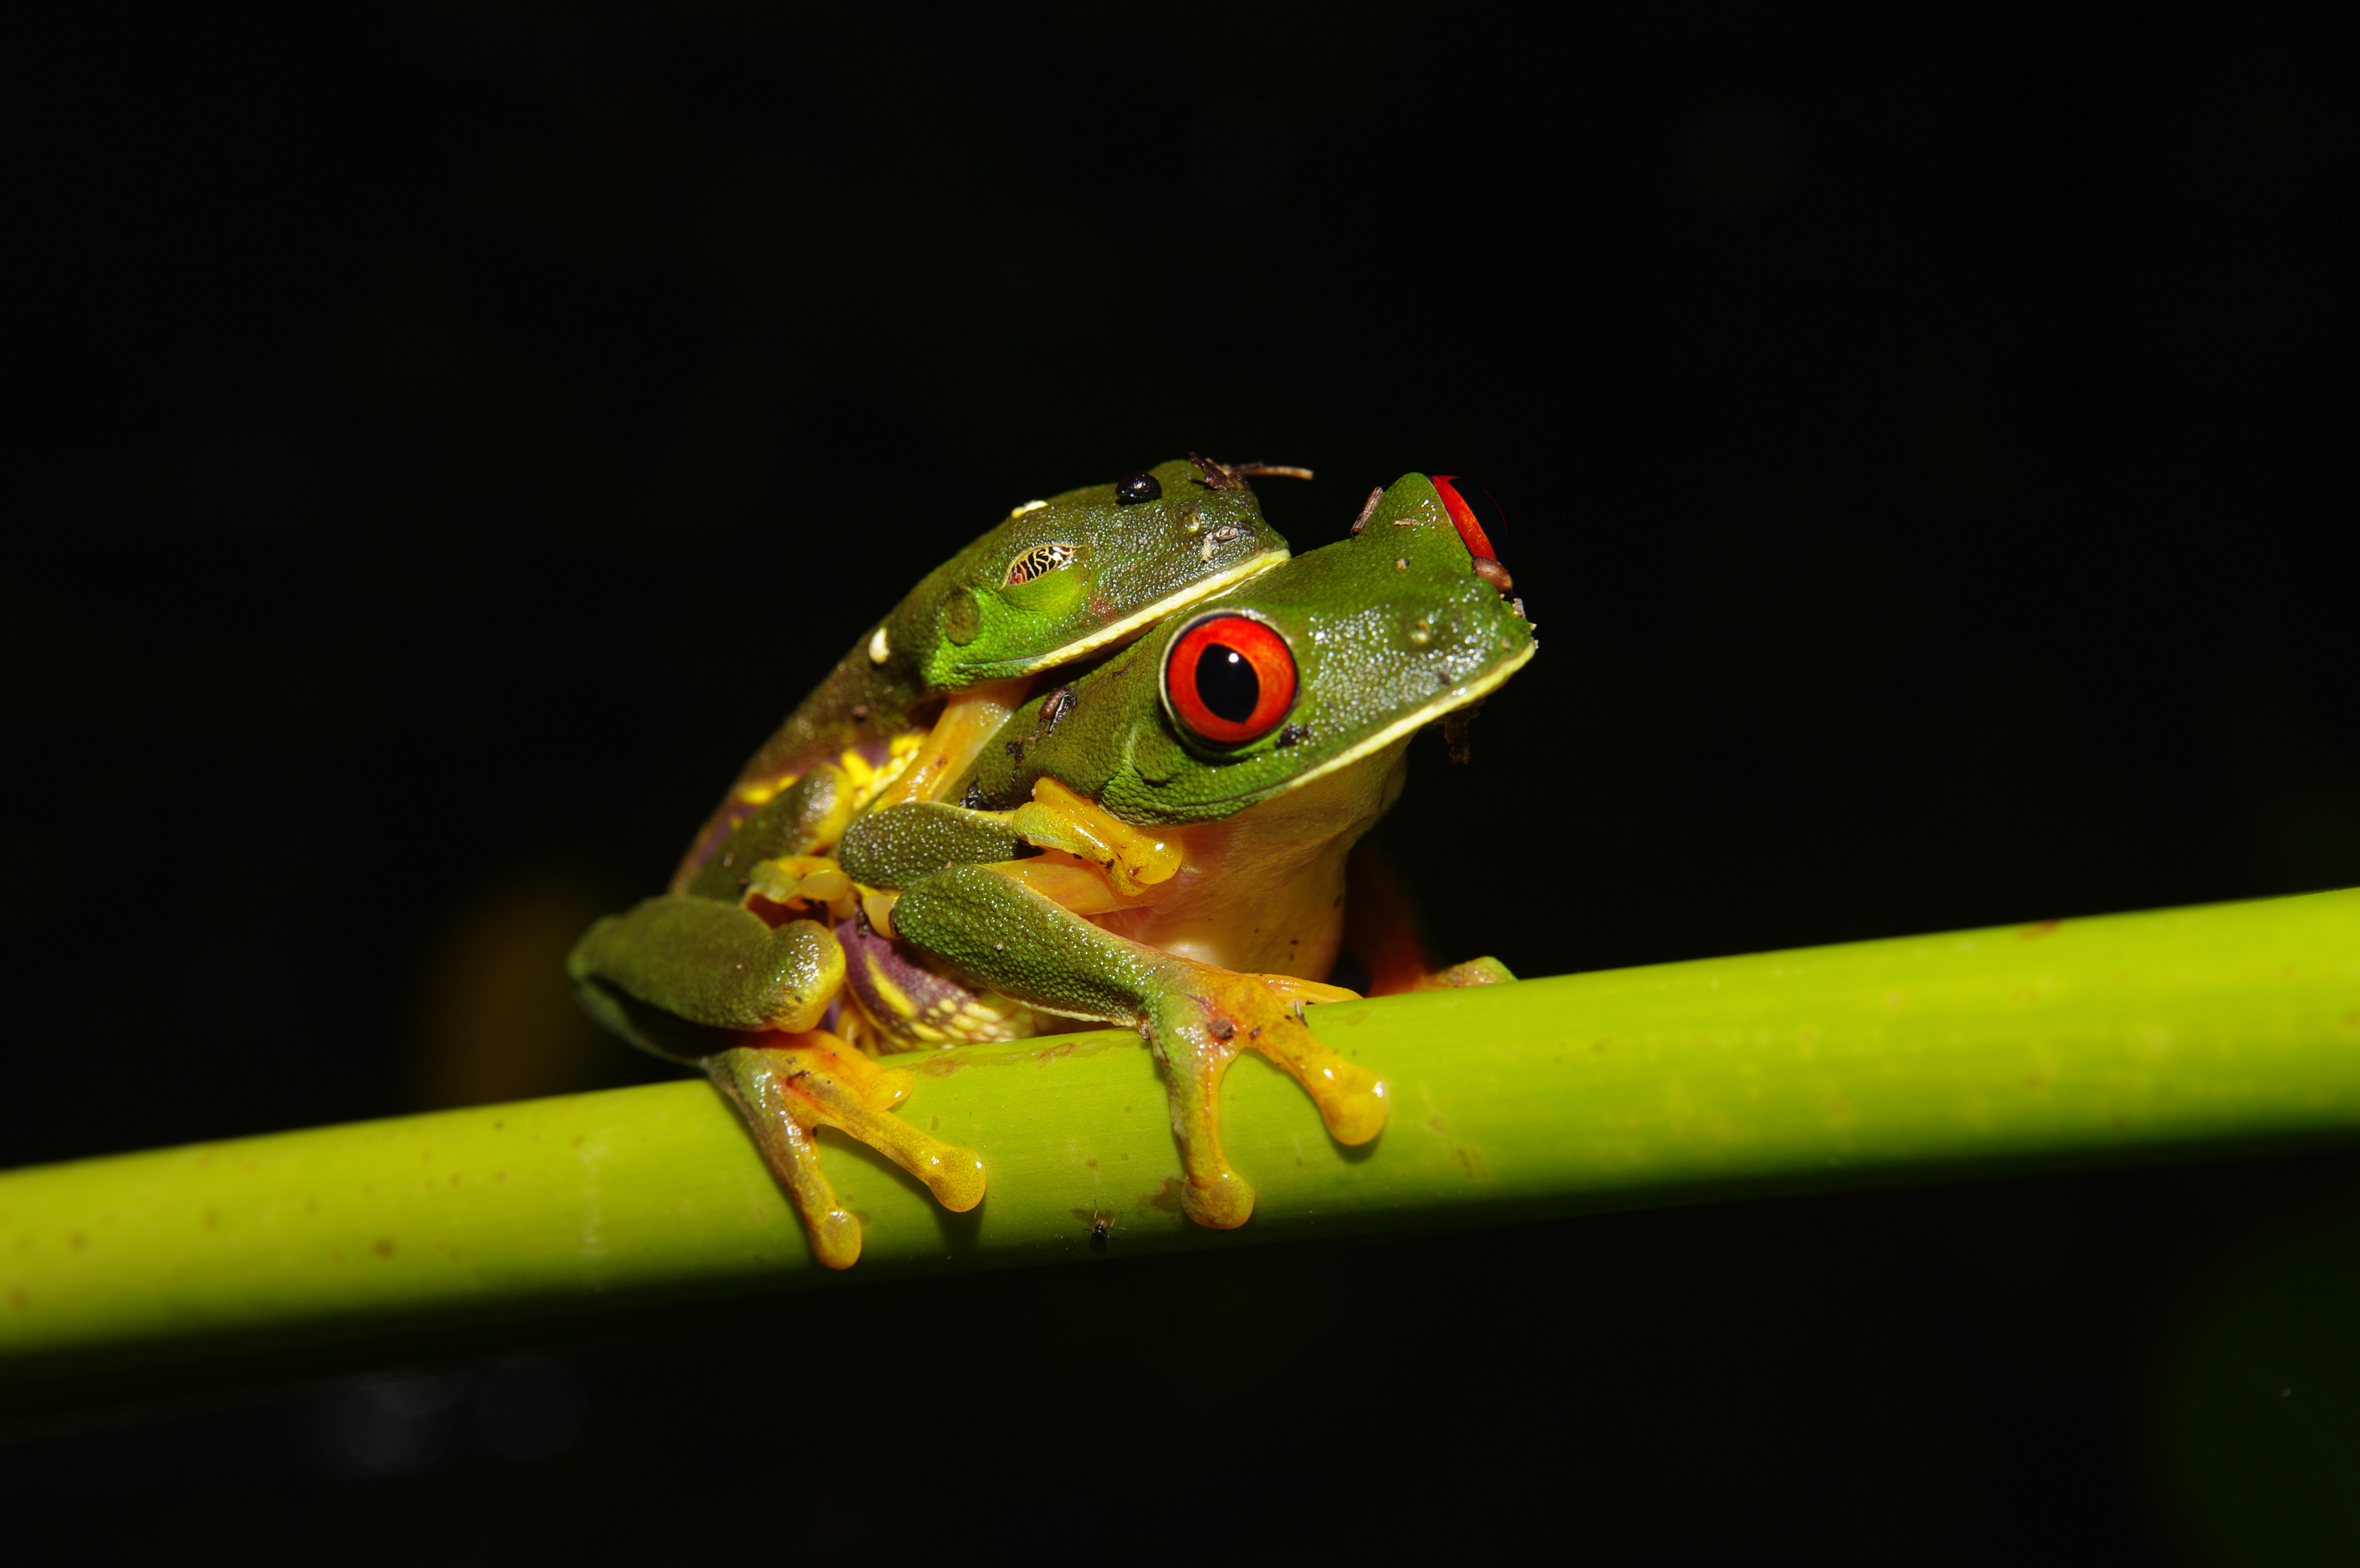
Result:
{"points": [[441, 441]]}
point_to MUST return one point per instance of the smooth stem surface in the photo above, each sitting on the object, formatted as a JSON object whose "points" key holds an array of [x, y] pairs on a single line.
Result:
{"points": [[2130, 1037]]}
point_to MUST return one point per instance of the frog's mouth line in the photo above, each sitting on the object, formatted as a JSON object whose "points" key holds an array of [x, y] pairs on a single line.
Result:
{"points": [[1132, 625], [1483, 686]]}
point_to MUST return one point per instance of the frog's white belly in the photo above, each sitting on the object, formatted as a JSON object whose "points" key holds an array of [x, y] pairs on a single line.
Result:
{"points": [[1263, 891]]}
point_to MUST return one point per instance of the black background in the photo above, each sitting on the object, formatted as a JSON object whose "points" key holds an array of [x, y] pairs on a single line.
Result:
{"points": [[442, 442]]}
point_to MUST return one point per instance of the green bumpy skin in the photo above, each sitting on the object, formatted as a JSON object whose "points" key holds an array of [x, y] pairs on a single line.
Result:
{"points": [[1098, 571], [785, 824], [672, 975], [1133, 564], [1023, 943], [895, 847], [1389, 629]]}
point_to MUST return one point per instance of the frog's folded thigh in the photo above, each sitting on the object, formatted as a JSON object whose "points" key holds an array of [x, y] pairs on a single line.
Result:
{"points": [[713, 964]]}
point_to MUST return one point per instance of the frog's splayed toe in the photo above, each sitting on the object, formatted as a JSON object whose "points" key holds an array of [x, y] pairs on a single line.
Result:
{"points": [[789, 1086]]}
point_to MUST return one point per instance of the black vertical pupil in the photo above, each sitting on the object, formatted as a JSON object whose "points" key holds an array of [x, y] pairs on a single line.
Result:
{"points": [[1227, 682], [1137, 488]]}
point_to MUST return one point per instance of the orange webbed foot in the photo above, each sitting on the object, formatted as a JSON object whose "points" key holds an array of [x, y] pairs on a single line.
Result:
{"points": [[789, 1086], [1211, 1015]]}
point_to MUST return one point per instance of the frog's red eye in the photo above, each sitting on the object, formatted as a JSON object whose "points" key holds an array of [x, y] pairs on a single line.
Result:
{"points": [[1229, 679], [1475, 513]]}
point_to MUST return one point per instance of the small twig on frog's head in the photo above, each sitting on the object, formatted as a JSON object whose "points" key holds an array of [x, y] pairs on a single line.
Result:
{"points": [[1219, 475]]}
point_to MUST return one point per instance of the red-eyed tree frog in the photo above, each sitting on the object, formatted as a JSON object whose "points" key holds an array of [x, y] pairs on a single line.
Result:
{"points": [[1159, 841]]}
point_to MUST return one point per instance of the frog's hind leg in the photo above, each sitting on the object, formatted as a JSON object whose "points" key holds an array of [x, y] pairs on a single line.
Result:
{"points": [[670, 970], [789, 1087], [699, 980]]}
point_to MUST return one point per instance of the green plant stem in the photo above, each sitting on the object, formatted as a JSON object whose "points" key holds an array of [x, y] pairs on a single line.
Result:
{"points": [[2132, 1036]]}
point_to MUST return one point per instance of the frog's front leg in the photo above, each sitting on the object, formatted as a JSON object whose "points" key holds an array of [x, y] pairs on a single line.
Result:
{"points": [[710, 983], [1001, 935], [1084, 859]]}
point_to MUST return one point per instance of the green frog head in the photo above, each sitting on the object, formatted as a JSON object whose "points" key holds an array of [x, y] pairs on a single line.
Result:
{"points": [[1061, 578], [1304, 671]]}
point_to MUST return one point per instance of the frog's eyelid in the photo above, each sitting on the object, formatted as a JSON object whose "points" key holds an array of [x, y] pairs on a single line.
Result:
{"points": [[1038, 562], [1131, 625]]}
